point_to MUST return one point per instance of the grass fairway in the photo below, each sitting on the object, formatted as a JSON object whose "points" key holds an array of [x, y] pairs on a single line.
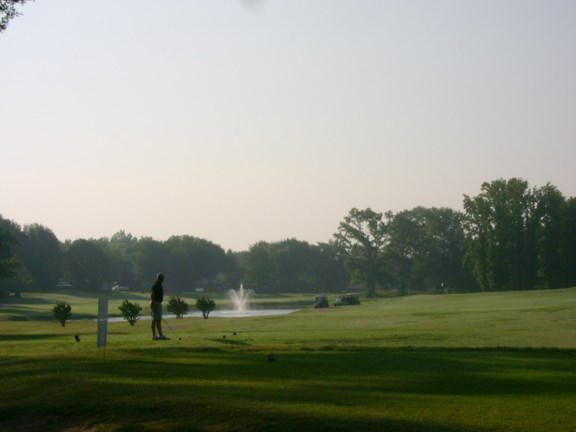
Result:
{"points": [[476, 362]]}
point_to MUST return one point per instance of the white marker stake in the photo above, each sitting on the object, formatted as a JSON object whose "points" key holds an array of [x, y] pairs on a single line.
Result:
{"points": [[102, 322]]}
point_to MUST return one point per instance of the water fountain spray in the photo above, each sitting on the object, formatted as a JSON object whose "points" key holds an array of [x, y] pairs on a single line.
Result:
{"points": [[240, 298]]}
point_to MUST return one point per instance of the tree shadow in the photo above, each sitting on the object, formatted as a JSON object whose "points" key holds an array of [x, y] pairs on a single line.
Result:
{"points": [[26, 337], [232, 390], [230, 342]]}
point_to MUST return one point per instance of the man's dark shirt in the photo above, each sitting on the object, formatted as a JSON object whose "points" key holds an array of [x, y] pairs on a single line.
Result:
{"points": [[157, 292]]}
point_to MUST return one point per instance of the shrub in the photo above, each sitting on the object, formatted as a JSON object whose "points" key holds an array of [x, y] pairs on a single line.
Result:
{"points": [[177, 306], [62, 312], [130, 311], [205, 305]]}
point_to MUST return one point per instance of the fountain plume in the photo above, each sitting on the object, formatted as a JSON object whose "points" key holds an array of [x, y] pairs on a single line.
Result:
{"points": [[240, 298]]}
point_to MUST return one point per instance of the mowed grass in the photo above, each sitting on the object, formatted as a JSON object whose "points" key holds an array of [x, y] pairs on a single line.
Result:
{"points": [[475, 362]]}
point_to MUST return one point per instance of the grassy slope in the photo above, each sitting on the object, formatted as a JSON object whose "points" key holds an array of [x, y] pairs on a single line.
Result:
{"points": [[438, 363]]}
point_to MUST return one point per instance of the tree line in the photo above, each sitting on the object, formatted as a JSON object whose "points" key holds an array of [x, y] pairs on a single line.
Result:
{"points": [[509, 237]]}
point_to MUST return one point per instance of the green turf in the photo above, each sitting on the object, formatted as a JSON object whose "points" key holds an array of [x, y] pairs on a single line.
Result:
{"points": [[455, 363]]}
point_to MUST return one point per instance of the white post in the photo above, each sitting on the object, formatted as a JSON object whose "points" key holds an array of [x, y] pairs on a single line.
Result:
{"points": [[102, 322]]}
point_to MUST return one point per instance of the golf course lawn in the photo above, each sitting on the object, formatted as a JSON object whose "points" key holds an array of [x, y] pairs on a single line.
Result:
{"points": [[470, 362]]}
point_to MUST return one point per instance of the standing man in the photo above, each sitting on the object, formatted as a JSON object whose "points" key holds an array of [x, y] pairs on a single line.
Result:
{"points": [[157, 295]]}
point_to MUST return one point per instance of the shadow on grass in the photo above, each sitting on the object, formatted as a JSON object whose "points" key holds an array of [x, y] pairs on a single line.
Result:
{"points": [[143, 423], [231, 342], [26, 337], [186, 388], [24, 300]]}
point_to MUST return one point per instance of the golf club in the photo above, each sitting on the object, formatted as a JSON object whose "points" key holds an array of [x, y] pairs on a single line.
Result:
{"points": [[173, 332]]}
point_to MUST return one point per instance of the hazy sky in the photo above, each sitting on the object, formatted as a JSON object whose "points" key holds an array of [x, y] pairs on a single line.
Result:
{"points": [[240, 121]]}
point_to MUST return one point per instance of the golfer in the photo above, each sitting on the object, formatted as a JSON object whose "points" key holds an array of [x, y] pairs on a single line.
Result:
{"points": [[156, 297]]}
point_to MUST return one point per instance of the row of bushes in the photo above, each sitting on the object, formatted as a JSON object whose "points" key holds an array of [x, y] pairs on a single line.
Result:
{"points": [[131, 311]]}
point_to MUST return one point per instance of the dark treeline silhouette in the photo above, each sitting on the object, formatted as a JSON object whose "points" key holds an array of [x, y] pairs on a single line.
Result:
{"points": [[509, 237]]}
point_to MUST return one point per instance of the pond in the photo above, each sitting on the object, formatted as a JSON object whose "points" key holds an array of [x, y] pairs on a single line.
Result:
{"points": [[220, 314]]}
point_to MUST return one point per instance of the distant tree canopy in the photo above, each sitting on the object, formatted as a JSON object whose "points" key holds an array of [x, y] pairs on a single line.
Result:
{"points": [[509, 237], [293, 266], [86, 266], [41, 254], [425, 251], [415, 250], [8, 262], [192, 261]]}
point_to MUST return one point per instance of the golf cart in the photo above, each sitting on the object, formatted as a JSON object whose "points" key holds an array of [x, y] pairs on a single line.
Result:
{"points": [[347, 299], [320, 301]]}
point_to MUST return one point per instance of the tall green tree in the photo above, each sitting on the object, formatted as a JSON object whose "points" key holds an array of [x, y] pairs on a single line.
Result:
{"points": [[447, 242], [41, 253], [568, 241], [362, 235], [16, 277], [86, 265], [118, 250], [406, 250], [426, 250], [149, 259], [260, 267], [548, 237], [501, 226], [192, 261], [233, 273], [330, 271], [8, 262], [295, 265]]}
